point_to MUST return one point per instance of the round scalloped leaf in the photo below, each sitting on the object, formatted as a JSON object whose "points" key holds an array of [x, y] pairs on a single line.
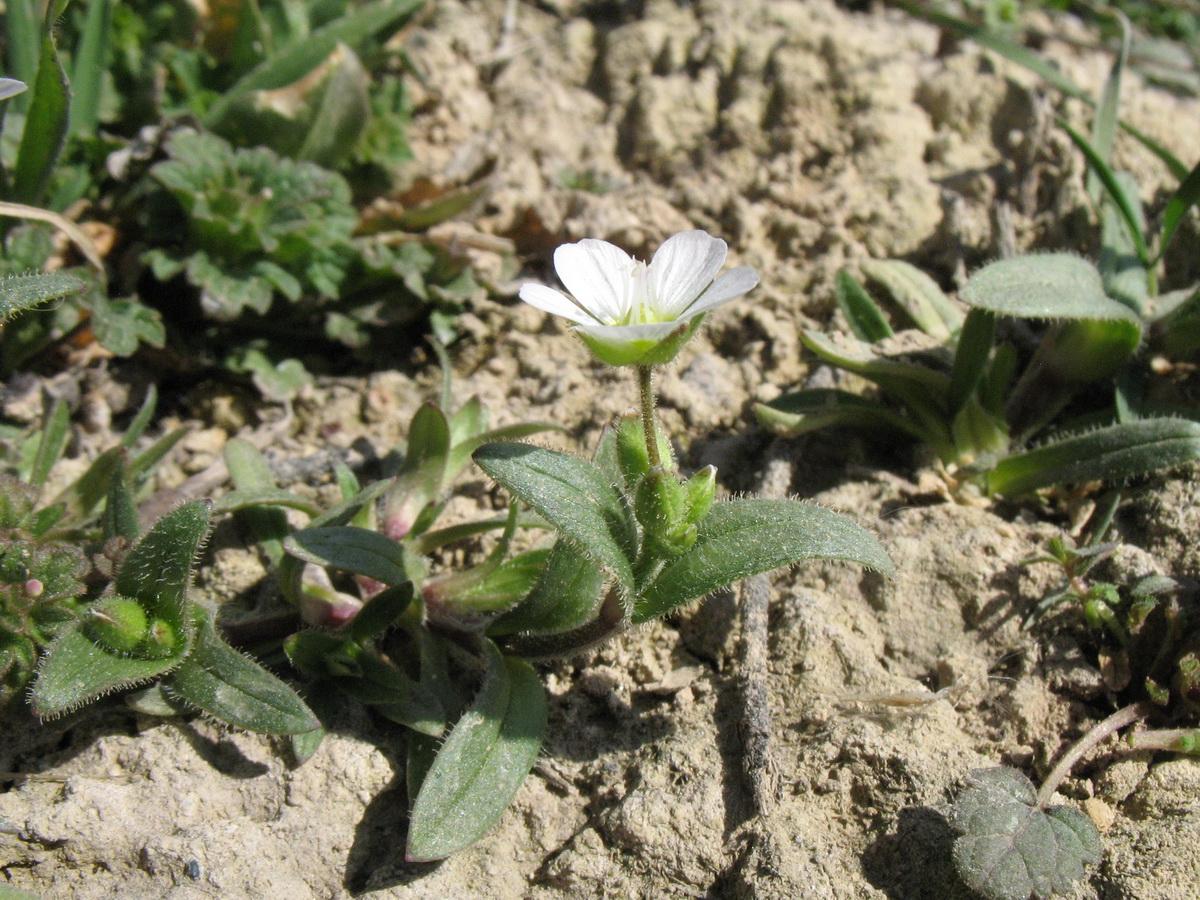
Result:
{"points": [[1043, 286], [1010, 848]]}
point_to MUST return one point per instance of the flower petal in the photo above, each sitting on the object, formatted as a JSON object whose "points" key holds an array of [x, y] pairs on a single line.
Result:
{"points": [[728, 287], [682, 268], [598, 275], [554, 302]]}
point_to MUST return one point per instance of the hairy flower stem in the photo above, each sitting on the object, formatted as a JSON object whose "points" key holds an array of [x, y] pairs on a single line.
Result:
{"points": [[1126, 715], [646, 390]]}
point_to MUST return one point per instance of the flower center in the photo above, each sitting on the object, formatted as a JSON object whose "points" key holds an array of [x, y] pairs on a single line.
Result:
{"points": [[640, 306]]}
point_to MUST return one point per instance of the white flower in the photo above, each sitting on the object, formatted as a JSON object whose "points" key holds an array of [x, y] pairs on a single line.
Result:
{"points": [[631, 313]]}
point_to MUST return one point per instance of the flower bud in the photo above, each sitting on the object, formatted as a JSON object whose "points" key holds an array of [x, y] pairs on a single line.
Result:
{"points": [[661, 505], [118, 623]]}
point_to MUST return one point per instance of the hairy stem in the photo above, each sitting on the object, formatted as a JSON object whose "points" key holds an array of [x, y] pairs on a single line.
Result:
{"points": [[1126, 715], [646, 391]]}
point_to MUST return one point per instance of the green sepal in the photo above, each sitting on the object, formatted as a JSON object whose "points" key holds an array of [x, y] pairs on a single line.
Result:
{"points": [[235, 689], [572, 495], [482, 763], [626, 352], [1116, 453], [743, 537]]}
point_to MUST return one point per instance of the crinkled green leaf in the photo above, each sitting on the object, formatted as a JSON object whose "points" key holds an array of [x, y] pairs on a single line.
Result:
{"points": [[743, 537], [1115, 453], [1011, 849], [123, 325], [482, 763], [235, 689], [572, 495]]}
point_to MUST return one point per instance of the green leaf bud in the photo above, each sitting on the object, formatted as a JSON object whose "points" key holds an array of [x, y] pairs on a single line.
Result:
{"points": [[162, 640], [661, 505], [700, 491], [118, 623]]}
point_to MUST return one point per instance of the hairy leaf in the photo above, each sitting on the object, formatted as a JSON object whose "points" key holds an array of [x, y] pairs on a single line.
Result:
{"points": [[572, 495], [482, 763], [1011, 849], [744, 537]]}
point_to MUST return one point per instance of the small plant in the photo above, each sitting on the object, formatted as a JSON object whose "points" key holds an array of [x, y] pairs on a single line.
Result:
{"points": [[959, 390], [76, 639], [445, 654]]}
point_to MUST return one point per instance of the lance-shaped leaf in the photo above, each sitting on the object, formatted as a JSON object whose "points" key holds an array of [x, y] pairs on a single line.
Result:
{"points": [[744, 537], [917, 295], [158, 569], [46, 122], [235, 689], [352, 549], [572, 495], [803, 411], [482, 763], [863, 314], [1116, 453], [1010, 848]]}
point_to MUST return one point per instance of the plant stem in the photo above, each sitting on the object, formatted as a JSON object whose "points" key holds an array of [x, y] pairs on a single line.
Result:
{"points": [[1177, 740], [646, 390], [1126, 715]]}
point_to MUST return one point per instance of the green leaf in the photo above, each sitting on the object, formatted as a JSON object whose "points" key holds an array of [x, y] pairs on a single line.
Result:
{"points": [[45, 127], [157, 571], [813, 408], [120, 517], [343, 111], [235, 689], [352, 549], [917, 294], [88, 68], [1043, 286], [743, 537], [573, 496], [565, 596], [395, 695], [482, 763], [1107, 121], [21, 292], [1116, 453], [55, 434], [247, 499], [864, 316], [124, 325], [971, 356], [1011, 849], [301, 56], [1116, 191], [75, 670], [1184, 198], [380, 612]]}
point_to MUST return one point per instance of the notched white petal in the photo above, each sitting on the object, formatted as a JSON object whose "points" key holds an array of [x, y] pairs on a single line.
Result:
{"points": [[554, 302], [728, 287], [597, 274], [683, 266]]}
